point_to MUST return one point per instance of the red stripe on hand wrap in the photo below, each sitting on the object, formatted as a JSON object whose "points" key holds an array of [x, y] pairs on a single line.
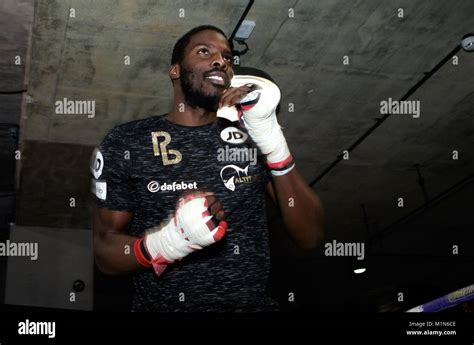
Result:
{"points": [[283, 164], [159, 263], [139, 255], [221, 231]]}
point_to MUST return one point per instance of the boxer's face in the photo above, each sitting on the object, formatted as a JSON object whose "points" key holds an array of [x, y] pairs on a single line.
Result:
{"points": [[206, 70]]}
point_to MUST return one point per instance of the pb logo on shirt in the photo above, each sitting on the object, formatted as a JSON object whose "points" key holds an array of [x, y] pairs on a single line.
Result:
{"points": [[160, 148]]}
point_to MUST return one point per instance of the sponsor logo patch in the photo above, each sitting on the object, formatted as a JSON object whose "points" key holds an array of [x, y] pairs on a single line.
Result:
{"points": [[97, 163], [233, 135], [99, 188], [160, 141], [232, 175], [154, 186]]}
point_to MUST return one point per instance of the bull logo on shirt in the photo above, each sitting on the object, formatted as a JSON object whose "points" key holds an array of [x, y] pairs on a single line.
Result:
{"points": [[160, 148], [239, 175]]}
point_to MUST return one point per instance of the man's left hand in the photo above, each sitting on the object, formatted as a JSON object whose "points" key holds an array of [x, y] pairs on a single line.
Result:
{"points": [[258, 113]]}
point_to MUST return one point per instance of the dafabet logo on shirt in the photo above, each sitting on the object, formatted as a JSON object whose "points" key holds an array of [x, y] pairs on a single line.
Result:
{"points": [[154, 186]]}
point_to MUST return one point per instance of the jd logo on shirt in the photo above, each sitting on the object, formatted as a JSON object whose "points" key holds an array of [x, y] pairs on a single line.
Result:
{"points": [[233, 135], [160, 149]]}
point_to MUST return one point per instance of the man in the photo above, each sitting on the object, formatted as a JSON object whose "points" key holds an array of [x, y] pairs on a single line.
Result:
{"points": [[186, 219]]}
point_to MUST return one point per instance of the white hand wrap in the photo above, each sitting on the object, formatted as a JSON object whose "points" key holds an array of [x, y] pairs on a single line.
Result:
{"points": [[189, 230], [259, 118]]}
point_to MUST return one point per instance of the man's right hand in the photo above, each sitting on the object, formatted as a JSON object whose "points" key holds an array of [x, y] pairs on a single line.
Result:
{"points": [[191, 228]]}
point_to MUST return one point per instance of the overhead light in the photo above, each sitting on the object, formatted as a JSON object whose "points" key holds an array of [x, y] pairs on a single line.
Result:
{"points": [[245, 30], [468, 43], [359, 270]]}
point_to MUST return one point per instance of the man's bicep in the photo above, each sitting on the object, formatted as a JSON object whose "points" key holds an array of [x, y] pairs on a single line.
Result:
{"points": [[111, 239]]}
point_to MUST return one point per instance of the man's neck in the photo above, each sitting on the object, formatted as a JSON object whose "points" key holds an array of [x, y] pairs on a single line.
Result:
{"points": [[190, 116]]}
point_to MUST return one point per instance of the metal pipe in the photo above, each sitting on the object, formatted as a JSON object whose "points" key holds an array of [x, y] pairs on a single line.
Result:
{"points": [[412, 90], [437, 199], [242, 18], [421, 182]]}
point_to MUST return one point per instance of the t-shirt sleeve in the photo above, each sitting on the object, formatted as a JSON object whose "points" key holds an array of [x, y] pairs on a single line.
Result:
{"points": [[110, 167]]}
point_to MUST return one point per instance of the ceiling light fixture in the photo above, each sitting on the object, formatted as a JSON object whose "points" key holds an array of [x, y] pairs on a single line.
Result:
{"points": [[242, 31], [468, 43], [360, 270], [245, 30]]}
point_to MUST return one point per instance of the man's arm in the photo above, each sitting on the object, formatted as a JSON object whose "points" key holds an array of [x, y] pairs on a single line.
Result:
{"points": [[257, 100], [300, 207], [113, 248], [192, 228]]}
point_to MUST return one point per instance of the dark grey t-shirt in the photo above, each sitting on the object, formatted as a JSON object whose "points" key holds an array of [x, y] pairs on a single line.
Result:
{"points": [[144, 166]]}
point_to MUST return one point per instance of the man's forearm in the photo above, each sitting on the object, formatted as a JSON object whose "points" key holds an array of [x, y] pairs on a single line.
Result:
{"points": [[190, 229], [301, 209], [114, 253], [113, 248]]}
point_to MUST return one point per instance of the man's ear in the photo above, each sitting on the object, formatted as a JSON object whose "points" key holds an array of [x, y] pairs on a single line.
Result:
{"points": [[174, 71]]}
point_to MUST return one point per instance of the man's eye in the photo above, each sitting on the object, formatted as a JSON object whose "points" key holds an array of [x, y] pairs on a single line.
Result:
{"points": [[203, 51], [228, 58]]}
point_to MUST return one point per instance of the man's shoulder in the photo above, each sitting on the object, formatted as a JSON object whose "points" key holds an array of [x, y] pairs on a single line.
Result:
{"points": [[124, 133]]}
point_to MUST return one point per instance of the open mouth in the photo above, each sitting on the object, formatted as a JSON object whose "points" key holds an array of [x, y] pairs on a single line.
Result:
{"points": [[216, 80]]}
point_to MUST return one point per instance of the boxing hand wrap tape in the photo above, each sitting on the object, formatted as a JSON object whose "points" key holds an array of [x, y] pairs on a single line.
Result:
{"points": [[257, 113], [189, 230], [159, 264]]}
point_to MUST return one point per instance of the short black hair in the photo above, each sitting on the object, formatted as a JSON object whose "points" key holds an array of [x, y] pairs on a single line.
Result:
{"points": [[182, 43]]}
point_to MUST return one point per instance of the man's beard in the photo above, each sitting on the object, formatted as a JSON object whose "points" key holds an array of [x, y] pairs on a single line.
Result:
{"points": [[196, 98]]}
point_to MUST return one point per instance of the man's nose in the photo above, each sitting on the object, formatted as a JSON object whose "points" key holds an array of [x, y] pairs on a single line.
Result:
{"points": [[219, 62]]}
